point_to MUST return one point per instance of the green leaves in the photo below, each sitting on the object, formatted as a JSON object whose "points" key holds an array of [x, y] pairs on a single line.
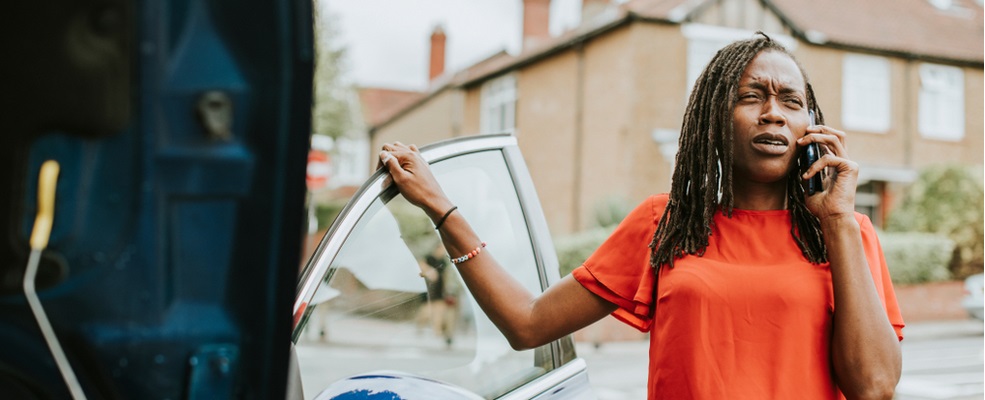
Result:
{"points": [[332, 111], [947, 200], [916, 257]]}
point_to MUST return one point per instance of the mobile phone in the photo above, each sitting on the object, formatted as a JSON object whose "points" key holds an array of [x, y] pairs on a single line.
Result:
{"points": [[808, 155]]}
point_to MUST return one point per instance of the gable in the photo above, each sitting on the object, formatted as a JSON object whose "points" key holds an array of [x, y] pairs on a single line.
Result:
{"points": [[749, 15]]}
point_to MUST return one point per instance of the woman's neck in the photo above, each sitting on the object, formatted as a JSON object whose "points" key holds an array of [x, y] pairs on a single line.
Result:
{"points": [[760, 196]]}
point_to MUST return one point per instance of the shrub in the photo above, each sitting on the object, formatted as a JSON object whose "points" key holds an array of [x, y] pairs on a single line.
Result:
{"points": [[912, 257], [327, 211], [947, 200], [574, 249], [915, 257], [611, 211]]}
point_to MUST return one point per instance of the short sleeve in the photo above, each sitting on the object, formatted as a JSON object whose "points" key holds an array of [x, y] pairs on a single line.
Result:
{"points": [[880, 274], [619, 270]]}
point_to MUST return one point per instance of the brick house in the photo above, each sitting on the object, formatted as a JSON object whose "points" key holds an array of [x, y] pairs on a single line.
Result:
{"points": [[597, 110]]}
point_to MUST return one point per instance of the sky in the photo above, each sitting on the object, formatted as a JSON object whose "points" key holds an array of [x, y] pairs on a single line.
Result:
{"points": [[387, 41]]}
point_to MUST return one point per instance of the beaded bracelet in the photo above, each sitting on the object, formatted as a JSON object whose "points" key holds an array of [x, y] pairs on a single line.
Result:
{"points": [[469, 256]]}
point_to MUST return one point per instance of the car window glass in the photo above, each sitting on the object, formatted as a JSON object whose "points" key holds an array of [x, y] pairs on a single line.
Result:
{"points": [[394, 301]]}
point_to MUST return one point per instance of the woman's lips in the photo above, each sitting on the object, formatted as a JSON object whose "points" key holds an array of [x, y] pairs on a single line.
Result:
{"points": [[770, 144]]}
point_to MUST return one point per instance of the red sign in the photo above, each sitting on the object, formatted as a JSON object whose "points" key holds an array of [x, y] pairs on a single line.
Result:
{"points": [[319, 169]]}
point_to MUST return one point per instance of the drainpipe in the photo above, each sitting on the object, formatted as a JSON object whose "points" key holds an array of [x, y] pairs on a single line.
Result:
{"points": [[908, 113], [579, 133]]}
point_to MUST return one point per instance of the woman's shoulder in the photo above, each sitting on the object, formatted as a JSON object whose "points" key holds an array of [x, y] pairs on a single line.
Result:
{"points": [[658, 202], [650, 209], [659, 198]]}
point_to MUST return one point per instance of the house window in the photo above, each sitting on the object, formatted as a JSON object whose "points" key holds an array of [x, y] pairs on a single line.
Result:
{"points": [[868, 201], [865, 93], [499, 105], [704, 41], [941, 102], [700, 51], [351, 159]]}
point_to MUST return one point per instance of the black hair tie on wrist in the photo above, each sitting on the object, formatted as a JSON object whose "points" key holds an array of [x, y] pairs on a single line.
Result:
{"points": [[444, 217]]}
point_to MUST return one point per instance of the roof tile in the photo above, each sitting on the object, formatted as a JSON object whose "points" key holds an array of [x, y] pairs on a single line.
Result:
{"points": [[905, 26], [381, 104]]}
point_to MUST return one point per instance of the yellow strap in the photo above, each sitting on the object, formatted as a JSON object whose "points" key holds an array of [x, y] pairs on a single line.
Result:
{"points": [[46, 205]]}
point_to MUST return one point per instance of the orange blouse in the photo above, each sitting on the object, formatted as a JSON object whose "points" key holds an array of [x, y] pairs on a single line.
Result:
{"points": [[751, 319]]}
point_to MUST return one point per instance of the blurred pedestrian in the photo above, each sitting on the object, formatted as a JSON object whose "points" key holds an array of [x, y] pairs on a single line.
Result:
{"points": [[442, 306], [748, 286]]}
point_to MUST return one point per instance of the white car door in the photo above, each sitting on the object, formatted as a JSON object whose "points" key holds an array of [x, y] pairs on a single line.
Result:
{"points": [[380, 307]]}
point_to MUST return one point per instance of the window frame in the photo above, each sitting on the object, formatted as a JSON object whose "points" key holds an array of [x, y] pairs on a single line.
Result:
{"points": [[866, 93], [565, 364], [700, 37], [936, 118], [497, 104]]}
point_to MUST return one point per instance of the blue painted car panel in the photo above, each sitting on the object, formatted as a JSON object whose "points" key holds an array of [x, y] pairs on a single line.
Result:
{"points": [[172, 264]]}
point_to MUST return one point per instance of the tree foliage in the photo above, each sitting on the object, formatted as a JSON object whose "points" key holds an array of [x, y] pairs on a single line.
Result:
{"points": [[917, 257], [331, 111], [947, 200]]}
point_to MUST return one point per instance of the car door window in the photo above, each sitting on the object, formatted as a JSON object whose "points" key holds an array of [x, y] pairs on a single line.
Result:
{"points": [[391, 299]]}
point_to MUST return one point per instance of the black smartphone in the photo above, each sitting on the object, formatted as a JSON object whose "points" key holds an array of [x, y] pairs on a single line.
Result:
{"points": [[808, 155]]}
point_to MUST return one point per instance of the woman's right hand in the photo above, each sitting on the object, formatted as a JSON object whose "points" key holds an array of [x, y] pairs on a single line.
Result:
{"points": [[414, 179]]}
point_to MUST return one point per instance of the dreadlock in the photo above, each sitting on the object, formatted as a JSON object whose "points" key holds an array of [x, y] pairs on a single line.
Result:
{"points": [[702, 180]]}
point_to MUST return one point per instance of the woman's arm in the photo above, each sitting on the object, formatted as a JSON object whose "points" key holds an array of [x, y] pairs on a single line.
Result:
{"points": [[865, 350], [525, 320]]}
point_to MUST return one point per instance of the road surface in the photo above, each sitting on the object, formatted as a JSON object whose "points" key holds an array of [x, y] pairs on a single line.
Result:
{"points": [[941, 361]]}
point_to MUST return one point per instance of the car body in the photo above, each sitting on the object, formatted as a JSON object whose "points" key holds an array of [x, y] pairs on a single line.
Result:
{"points": [[974, 300], [380, 309]]}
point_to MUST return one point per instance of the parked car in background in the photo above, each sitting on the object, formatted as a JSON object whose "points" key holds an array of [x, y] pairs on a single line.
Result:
{"points": [[974, 299], [381, 309]]}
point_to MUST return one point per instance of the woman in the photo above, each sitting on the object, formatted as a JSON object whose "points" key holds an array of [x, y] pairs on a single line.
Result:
{"points": [[764, 291]]}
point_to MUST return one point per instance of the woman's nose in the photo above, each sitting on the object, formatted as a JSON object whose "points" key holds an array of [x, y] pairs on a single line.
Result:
{"points": [[771, 113]]}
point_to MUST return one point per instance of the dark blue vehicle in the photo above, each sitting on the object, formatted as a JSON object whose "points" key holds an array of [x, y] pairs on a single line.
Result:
{"points": [[181, 128]]}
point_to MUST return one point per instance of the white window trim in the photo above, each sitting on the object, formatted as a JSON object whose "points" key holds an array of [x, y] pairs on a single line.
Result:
{"points": [[949, 124], [700, 36], [866, 93], [498, 92]]}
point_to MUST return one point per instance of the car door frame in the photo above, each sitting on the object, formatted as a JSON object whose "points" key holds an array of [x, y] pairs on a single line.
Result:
{"points": [[566, 365]]}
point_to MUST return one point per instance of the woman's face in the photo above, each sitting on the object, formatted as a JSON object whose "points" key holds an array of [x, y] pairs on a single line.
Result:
{"points": [[770, 115]]}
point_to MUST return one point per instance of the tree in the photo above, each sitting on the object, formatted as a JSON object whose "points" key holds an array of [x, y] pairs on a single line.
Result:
{"points": [[331, 112], [947, 200]]}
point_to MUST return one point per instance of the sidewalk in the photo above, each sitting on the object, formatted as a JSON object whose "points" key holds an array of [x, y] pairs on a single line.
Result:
{"points": [[928, 330], [916, 331], [618, 369]]}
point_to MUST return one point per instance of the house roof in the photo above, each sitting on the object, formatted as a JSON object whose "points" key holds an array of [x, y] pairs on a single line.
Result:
{"points": [[905, 28], [913, 28], [381, 104]]}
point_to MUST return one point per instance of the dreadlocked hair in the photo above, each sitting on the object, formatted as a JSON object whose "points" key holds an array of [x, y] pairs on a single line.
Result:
{"points": [[702, 180]]}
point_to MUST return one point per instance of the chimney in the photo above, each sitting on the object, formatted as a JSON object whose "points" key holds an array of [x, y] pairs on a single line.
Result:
{"points": [[536, 21], [437, 65]]}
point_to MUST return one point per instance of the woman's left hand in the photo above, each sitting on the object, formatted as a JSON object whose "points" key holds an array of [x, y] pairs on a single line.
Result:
{"points": [[414, 179], [838, 197]]}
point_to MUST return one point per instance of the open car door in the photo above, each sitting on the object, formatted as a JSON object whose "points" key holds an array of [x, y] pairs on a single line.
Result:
{"points": [[380, 308]]}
